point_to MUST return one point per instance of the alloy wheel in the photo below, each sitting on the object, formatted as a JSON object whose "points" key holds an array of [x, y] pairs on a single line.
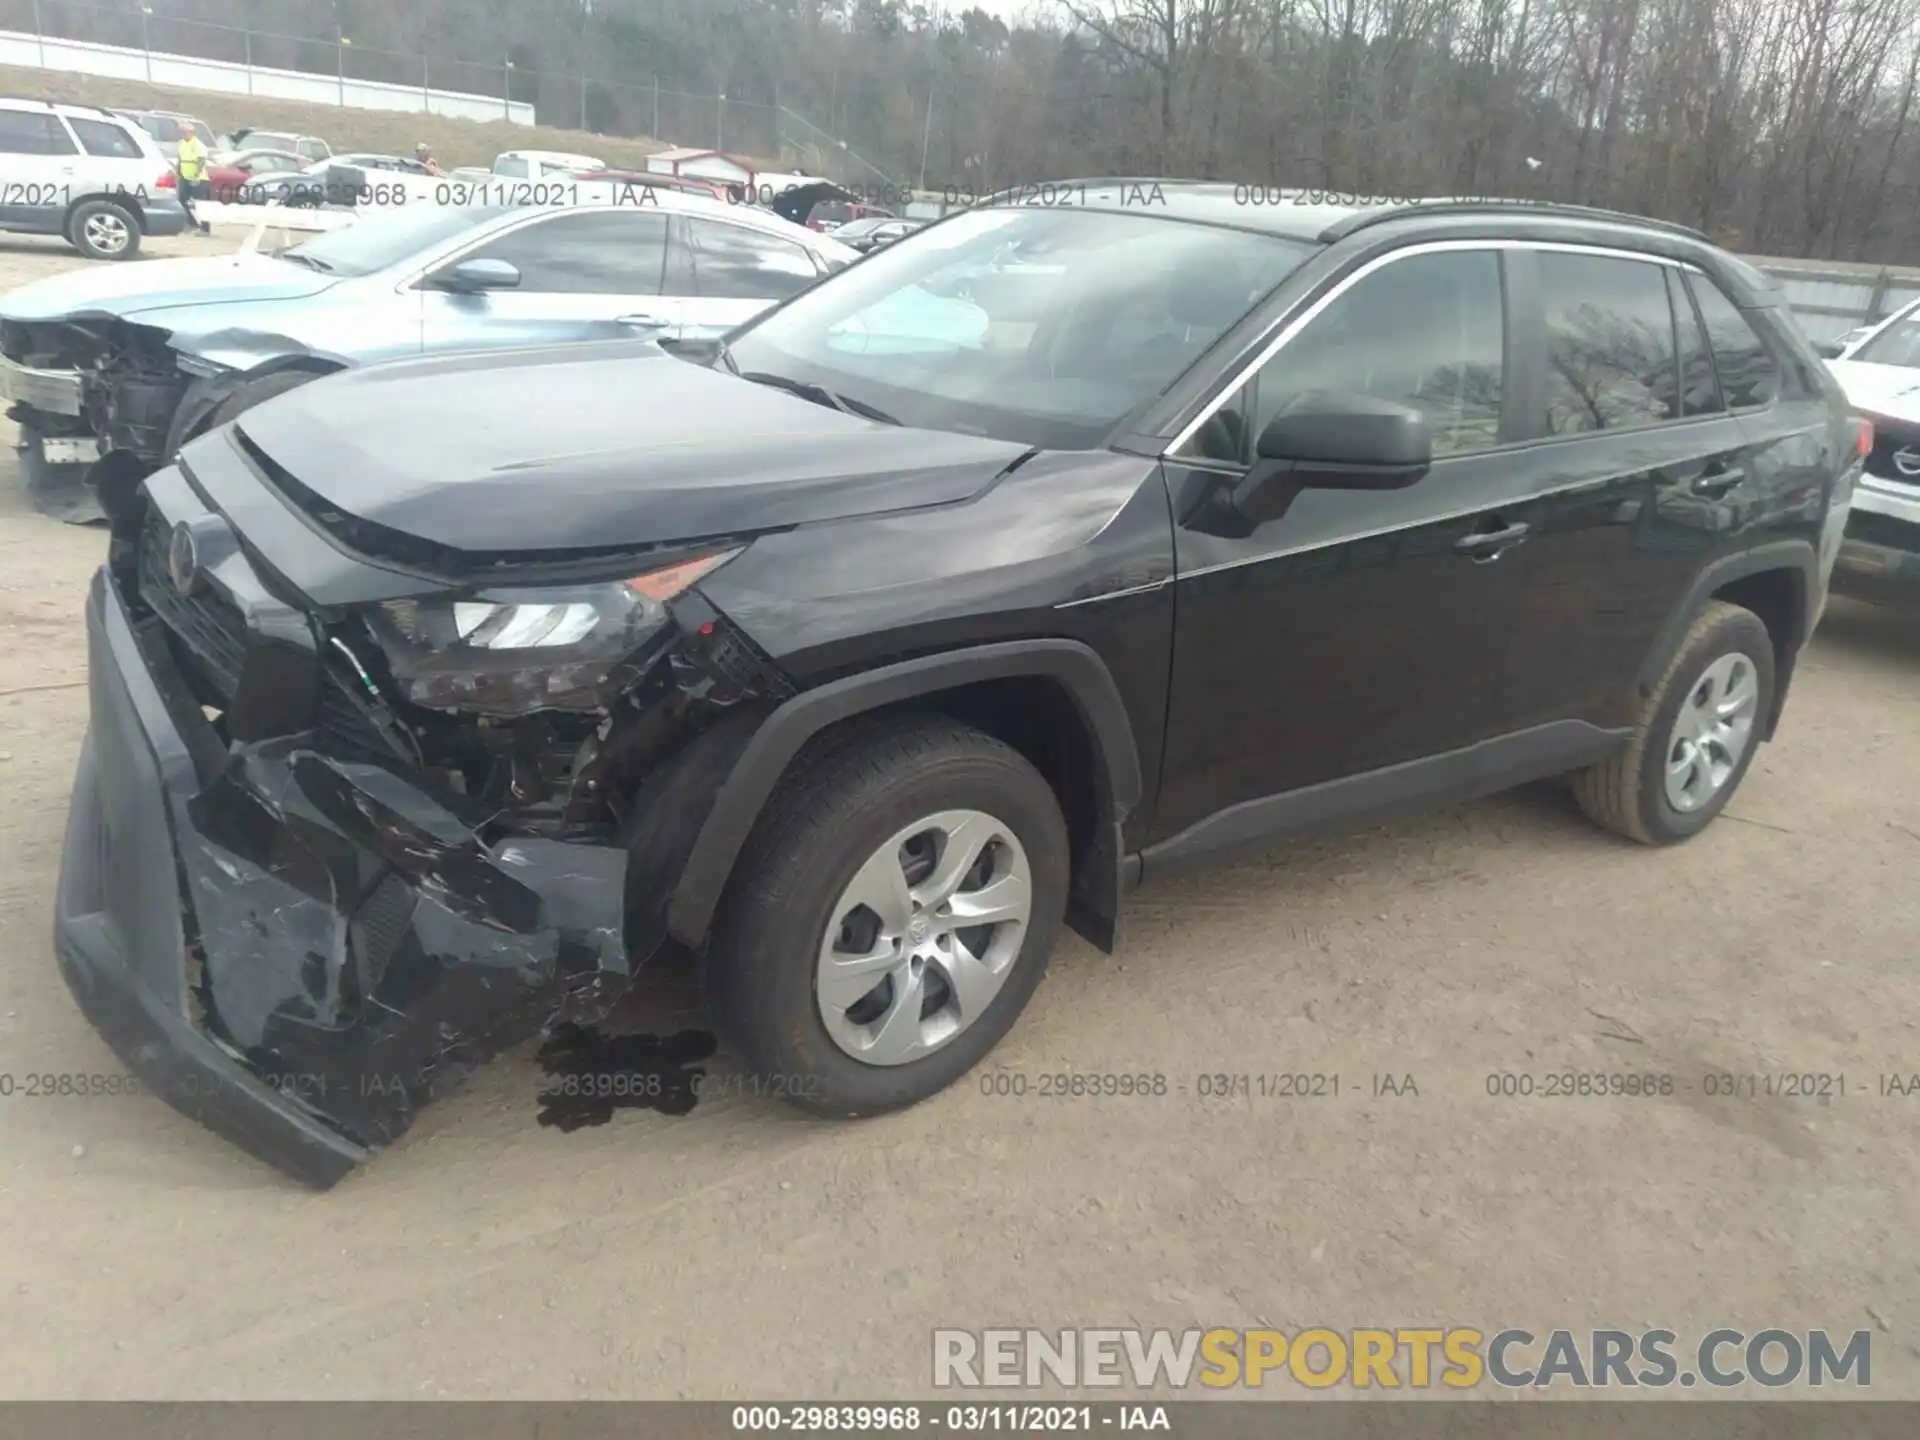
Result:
{"points": [[107, 232]]}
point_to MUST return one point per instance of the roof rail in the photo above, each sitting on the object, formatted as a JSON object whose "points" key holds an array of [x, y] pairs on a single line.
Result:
{"points": [[69, 104], [1441, 205]]}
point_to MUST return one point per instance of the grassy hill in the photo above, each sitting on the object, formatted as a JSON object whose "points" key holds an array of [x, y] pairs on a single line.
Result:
{"points": [[387, 132]]}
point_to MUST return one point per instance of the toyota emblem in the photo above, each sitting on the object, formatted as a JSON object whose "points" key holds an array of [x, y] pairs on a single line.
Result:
{"points": [[183, 560], [1907, 462]]}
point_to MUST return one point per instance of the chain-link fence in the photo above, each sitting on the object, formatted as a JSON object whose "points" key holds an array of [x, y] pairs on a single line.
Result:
{"points": [[624, 105]]}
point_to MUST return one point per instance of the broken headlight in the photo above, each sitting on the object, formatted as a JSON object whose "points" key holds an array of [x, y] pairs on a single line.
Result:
{"points": [[512, 652]]}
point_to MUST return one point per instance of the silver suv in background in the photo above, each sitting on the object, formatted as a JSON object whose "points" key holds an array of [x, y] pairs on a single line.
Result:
{"points": [[165, 127], [86, 174]]}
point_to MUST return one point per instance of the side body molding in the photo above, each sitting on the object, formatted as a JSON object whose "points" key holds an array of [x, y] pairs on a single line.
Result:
{"points": [[1076, 667]]}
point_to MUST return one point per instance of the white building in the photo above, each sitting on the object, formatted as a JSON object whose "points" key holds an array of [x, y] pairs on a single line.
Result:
{"points": [[701, 165]]}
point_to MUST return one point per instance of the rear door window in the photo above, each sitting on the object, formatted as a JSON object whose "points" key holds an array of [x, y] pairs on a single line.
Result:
{"points": [[734, 262], [1610, 343]]}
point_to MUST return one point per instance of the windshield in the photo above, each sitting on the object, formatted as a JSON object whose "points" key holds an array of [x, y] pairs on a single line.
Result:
{"points": [[375, 242], [1898, 344], [1042, 326]]}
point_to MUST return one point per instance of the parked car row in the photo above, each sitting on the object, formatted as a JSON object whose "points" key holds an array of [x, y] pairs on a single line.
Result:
{"points": [[911, 611]]}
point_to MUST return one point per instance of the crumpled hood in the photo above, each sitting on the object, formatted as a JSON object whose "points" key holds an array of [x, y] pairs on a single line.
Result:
{"points": [[1890, 390], [130, 289], [586, 447]]}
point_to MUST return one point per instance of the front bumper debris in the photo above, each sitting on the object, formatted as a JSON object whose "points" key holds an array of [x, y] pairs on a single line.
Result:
{"points": [[298, 950], [56, 391]]}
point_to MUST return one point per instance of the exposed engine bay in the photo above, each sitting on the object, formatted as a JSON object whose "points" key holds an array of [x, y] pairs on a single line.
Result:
{"points": [[131, 382]]}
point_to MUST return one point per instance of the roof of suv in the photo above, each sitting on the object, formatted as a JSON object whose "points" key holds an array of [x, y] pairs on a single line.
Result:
{"points": [[61, 107], [1301, 214], [1325, 217]]}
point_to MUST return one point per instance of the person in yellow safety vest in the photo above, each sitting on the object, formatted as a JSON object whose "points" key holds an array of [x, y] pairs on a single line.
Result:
{"points": [[190, 159]]}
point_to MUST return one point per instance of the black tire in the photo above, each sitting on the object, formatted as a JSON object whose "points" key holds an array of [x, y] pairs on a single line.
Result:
{"points": [[1627, 794], [839, 803], [109, 215], [252, 393]]}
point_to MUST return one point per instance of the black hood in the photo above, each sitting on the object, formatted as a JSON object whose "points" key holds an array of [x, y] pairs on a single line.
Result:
{"points": [[591, 447]]}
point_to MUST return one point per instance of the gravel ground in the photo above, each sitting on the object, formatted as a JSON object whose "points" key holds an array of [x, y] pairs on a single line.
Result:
{"points": [[743, 1250]]}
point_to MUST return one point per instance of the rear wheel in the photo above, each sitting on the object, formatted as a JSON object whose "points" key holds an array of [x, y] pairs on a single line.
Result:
{"points": [[104, 230], [891, 917], [1697, 734]]}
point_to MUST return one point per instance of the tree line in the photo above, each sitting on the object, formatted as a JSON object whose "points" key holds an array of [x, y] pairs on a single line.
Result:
{"points": [[1782, 127]]}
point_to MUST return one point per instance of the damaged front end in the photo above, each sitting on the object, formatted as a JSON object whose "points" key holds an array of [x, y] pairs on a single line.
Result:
{"points": [[85, 389], [324, 858]]}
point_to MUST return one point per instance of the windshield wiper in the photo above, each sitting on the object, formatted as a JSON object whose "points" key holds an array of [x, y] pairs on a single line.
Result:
{"points": [[307, 260], [819, 394]]}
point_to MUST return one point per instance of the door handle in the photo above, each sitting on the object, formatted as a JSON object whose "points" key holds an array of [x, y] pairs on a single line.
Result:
{"points": [[1718, 480], [1487, 544], [642, 322]]}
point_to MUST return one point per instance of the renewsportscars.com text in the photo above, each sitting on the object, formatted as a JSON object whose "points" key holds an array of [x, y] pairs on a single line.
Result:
{"points": [[1418, 1358]]}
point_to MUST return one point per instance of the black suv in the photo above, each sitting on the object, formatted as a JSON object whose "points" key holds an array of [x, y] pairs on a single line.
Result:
{"points": [[1060, 544]]}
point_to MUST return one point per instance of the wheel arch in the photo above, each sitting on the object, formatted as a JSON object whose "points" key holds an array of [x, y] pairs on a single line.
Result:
{"points": [[125, 200], [1778, 581], [203, 397], [1094, 767]]}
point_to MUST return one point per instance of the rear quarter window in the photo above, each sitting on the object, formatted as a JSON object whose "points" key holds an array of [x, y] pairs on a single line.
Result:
{"points": [[1749, 374]]}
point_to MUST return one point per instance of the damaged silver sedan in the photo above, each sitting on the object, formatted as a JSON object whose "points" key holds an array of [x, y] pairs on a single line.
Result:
{"points": [[109, 373]]}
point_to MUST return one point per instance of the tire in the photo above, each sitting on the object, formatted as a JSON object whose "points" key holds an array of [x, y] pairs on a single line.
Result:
{"points": [[252, 393], [104, 230], [832, 818], [1630, 794]]}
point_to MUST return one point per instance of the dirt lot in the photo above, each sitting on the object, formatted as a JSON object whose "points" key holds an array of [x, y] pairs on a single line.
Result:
{"points": [[742, 1250]]}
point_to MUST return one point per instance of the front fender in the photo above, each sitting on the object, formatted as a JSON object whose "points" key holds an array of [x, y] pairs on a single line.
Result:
{"points": [[771, 748]]}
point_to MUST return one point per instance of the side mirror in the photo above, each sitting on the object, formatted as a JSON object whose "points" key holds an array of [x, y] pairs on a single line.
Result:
{"points": [[470, 277], [1328, 440], [1830, 349]]}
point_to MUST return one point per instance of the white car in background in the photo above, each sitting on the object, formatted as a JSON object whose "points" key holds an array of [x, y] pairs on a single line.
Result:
{"points": [[1879, 368], [537, 164]]}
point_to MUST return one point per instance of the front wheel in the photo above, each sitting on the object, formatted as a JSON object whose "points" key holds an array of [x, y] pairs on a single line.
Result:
{"points": [[1697, 734], [890, 918]]}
